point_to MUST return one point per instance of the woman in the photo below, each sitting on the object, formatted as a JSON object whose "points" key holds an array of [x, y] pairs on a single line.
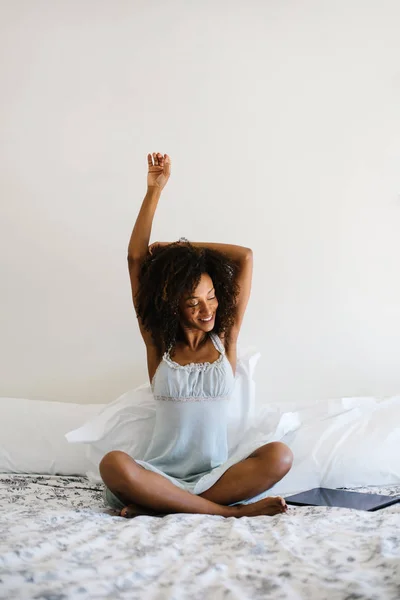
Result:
{"points": [[190, 300]]}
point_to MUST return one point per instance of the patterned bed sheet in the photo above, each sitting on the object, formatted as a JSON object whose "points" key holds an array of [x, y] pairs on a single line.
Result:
{"points": [[59, 541]]}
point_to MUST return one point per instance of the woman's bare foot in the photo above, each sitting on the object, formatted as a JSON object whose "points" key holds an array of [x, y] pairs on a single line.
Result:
{"points": [[135, 510], [268, 506]]}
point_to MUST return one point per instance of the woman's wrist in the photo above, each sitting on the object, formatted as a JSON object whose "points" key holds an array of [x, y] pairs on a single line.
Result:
{"points": [[154, 190]]}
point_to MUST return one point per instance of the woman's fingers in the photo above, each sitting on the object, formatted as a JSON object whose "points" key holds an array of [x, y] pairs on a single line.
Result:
{"points": [[158, 158], [167, 165], [159, 172], [152, 157]]}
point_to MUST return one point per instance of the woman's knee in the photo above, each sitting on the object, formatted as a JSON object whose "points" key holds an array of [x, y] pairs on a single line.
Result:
{"points": [[278, 455], [111, 458], [284, 456], [113, 464]]}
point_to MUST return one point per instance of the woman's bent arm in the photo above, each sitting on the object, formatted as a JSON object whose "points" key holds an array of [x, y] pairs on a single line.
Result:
{"points": [[232, 251]]}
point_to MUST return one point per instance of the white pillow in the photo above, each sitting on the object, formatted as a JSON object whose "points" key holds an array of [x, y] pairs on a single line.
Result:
{"points": [[358, 447], [32, 436]]}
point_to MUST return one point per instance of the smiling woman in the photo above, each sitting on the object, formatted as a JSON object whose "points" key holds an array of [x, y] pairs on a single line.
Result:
{"points": [[179, 285], [200, 307], [190, 300]]}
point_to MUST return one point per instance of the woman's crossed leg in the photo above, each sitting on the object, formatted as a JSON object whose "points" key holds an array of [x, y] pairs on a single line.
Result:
{"points": [[146, 492]]}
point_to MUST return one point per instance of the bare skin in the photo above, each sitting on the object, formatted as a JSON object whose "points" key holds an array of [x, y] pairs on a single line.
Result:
{"points": [[267, 507], [148, 493]]}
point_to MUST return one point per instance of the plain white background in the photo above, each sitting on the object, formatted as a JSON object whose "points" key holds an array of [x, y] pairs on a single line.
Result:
{"points": [[282, 119]]}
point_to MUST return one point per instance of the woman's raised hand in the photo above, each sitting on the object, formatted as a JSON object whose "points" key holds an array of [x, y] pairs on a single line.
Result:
{"points": [[159, 170]]}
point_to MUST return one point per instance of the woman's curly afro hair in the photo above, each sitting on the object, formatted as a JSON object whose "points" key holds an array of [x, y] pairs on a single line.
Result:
{"points": [[174, 269]]}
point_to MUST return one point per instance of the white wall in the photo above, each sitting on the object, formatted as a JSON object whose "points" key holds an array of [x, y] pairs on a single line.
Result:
{"points": [[283, 123]]}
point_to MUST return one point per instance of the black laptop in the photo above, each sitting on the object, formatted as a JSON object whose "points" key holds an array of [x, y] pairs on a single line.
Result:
{"points": [[341, 498]]}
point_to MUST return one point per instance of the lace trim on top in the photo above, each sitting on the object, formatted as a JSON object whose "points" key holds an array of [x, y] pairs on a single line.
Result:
{"points": [[195, 365], [192, 398]]}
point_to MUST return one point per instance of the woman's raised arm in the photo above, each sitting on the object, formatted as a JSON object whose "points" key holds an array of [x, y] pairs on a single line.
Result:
{"points": [[157, 177]]}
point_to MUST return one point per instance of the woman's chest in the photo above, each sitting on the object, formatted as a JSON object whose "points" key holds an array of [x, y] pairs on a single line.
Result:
{"points": [[184, 357], [209, 354]]}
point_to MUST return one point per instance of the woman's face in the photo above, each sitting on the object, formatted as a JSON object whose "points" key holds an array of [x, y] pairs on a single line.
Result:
{"points": [[199, 305]]}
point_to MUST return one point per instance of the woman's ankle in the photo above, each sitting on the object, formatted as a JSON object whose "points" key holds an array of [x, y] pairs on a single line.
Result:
{"points": [[234, 511]]}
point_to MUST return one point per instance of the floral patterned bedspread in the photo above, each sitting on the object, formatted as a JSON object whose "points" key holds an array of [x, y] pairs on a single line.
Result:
{"points": [[59, 541]]}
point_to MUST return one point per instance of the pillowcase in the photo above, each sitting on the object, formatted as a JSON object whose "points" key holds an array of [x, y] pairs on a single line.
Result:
{"points": [[349, 442], [32, 436]]}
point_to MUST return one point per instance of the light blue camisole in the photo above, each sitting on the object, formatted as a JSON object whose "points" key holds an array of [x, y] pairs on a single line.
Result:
{"points": [[191, 425]]}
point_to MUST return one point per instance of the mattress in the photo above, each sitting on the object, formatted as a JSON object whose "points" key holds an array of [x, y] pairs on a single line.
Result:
{"points": [[60, 541]]}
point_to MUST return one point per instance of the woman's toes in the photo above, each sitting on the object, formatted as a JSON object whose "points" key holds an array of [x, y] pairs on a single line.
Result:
{"points": [[134, 510], [128, 512], [283, 504]]}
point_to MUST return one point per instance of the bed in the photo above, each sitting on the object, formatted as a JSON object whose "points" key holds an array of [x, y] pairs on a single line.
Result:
{"points": [[60, 541]]}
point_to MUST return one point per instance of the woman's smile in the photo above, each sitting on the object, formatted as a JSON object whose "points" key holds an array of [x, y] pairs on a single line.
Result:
{"points": [[208, 319]]}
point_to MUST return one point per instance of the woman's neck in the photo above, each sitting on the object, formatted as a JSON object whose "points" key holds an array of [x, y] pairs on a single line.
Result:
{"points": [[185, 343]]}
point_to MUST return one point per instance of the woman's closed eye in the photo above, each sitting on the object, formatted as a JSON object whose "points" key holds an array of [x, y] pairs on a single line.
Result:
{"points": [[193, 305]]}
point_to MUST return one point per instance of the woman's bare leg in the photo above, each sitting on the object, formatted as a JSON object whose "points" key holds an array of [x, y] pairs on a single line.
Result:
{"points": [[131, 482], [253, 475], [138, 486]]}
